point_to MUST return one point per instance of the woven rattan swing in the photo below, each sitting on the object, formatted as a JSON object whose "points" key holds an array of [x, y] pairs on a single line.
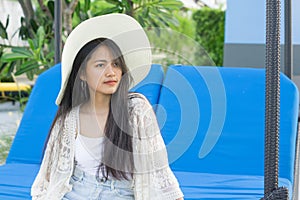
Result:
{"points": [[271, 189]]}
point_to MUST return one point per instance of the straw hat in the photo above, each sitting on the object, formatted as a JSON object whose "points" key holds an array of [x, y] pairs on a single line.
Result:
{"points": [[125, 31]]}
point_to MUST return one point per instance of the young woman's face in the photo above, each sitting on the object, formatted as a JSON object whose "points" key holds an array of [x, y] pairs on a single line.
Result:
{"points": [[103, 72]]}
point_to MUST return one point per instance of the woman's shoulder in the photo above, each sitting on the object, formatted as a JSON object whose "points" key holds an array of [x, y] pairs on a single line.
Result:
{"points": [[137, 101], [134, 97]]}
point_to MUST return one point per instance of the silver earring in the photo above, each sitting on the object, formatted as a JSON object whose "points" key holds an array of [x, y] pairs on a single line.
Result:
{"points": [[82, 83], [83, 87]]}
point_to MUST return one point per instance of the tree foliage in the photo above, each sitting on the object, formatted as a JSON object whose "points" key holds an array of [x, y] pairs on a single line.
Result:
{"points": [[210, 32]]}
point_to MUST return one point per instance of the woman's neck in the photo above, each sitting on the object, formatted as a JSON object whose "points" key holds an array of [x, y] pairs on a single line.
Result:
{"points": [[99, 103]]}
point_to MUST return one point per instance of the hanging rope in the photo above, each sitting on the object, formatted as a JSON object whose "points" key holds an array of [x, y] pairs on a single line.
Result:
{"points": [[272, 103]]}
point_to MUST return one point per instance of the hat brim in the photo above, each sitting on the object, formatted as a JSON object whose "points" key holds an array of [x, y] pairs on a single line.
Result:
{"points": [[124, 30]]}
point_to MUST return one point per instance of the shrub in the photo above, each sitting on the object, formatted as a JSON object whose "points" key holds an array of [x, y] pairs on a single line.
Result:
{"points": [[210, 32]]}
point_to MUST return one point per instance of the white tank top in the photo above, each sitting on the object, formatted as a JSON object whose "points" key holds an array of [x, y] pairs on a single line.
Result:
{"points": [[88, 153]]}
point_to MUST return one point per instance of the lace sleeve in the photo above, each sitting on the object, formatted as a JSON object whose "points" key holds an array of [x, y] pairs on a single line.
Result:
{"points": [[154, 178], [41, 182]]}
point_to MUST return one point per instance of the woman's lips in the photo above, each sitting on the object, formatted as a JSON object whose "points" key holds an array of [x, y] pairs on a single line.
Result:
{"points": [[110, 82]]}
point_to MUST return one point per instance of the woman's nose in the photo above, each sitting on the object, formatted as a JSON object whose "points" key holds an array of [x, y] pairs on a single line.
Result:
{"points": [[110, 69]]}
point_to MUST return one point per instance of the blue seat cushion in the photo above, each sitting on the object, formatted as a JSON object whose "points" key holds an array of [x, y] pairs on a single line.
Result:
{"points": [[151, 85], [222, 186], [16, 180], [212, 120]]}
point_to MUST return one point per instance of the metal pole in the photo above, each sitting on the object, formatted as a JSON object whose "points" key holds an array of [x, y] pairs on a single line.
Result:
{"points": [[288, 46], [57, 30]]}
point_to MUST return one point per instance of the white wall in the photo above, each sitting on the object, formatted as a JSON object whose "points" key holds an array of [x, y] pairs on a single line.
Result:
{"points": [[246, 19], [14, 10]]}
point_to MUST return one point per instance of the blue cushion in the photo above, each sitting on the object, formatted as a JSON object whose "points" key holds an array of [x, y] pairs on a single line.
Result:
{"points": [[212, 121], [39, 113], [151, 85], [16, 180], [208, 186]]}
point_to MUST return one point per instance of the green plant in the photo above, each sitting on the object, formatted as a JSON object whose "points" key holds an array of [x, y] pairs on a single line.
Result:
{"points": [[5, 68], [176, 45], [156, 13], [186, 25], [32, 60], [37, 29], [3, 29], [210, 32]]}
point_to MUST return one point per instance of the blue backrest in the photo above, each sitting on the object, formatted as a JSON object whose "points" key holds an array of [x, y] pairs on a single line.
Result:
{"points": [[212, 120], [151, 85], [40, 110], [37, 118]]}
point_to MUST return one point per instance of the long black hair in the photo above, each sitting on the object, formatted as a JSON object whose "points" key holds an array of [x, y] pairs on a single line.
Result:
{"points": [[117, 155]]}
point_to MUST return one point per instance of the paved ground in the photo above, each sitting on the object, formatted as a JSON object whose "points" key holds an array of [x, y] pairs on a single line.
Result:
{"points": [[10, 116]]}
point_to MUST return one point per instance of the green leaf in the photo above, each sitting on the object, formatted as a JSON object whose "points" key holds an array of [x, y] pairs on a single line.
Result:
{"points": [[22, 50], [8, 57], [171, 4], [33, 25], [114, 2], [3, 32], [127, 5], [145, 12], [108, 10], [168, 19], [30, 74], [77, 8], [50, 6], [11, 68], [23, 32], [27, 64], [2, 67], [31, 44], [26, 69], [50, 55], [141, 20], [23, 21], [87, 5], [41, 36], [7, 22]]}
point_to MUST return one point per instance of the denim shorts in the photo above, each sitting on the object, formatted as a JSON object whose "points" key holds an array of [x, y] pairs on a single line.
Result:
{"points": [[88, 187]]}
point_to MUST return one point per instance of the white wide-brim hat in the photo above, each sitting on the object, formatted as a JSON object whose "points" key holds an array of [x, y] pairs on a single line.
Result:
{"points": [[124, 30]]}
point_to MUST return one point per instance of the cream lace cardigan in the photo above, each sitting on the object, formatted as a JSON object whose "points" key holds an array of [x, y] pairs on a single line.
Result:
{"points": [[153, 179]]}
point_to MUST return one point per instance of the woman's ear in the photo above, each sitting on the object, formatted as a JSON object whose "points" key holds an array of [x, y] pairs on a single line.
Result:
{"points": [[82, 75]]}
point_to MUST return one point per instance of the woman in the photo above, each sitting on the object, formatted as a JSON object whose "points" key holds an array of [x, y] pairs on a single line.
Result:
{"points": [[105, 142]]}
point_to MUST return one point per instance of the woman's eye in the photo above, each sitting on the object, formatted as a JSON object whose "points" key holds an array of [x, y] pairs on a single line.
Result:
{"points": [[100, 65], [116, 64]]}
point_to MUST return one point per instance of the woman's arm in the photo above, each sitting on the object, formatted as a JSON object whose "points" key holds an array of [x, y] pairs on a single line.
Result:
{"points": [[151, 160], [41, 182]]}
